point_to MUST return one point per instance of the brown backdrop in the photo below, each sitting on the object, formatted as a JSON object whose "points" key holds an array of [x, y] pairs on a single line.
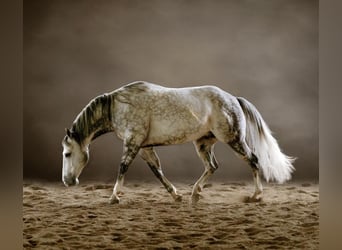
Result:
{"points": [[265, 51]]}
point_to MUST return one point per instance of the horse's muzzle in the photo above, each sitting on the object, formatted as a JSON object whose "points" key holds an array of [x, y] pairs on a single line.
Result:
{"points": [[70, 181]]}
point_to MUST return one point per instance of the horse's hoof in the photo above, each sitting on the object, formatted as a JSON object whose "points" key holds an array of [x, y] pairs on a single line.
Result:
{"points": [[178, 198], [195, 198], [114, 200], [251, 199]]}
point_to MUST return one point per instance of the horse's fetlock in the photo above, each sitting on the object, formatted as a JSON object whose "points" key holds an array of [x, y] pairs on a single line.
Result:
{"points": [[114, 199], [177, 197]]}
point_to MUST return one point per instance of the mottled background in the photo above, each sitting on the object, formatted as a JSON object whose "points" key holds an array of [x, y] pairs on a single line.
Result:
{"points": [[265, 51]]}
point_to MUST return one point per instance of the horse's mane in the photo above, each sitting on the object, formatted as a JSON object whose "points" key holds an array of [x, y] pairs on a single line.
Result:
{"points": [[96, 115]]}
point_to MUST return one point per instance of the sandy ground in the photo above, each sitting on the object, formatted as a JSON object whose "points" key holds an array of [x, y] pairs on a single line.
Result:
{"points": [[56, 217]]}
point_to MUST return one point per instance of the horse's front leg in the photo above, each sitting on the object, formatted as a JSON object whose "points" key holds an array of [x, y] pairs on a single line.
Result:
{"points": [[131, 149], [152, 159], [205, 150]]}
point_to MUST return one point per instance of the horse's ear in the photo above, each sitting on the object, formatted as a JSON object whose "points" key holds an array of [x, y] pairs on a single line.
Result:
{"points": [[68, 132]]}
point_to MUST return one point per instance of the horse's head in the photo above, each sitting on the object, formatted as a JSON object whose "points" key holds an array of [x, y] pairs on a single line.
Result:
{"points": [[75, 157]]}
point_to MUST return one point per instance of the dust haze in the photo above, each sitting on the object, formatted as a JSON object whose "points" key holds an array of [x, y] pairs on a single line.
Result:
{"points": [[265, 51]]}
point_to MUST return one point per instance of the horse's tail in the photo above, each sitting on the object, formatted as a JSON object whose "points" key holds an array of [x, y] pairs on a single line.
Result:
{"points": [[274, 164]]}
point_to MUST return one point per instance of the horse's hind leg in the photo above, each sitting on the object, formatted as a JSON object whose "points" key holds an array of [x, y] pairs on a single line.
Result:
{"points": [[151, 158], [241, 147], [204, 148], [230, 129], [131, 149]]}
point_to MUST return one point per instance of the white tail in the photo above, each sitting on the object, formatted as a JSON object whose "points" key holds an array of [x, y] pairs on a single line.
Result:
{"points": [[274, 164]]}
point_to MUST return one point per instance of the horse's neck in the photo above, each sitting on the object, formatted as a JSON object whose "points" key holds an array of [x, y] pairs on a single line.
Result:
{"points": [[94, 120]]}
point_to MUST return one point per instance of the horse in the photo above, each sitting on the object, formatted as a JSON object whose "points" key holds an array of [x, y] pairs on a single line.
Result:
{"points": [[146, 115]]}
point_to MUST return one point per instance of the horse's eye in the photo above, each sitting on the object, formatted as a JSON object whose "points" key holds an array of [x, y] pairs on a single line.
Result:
{"points": [[67, 154]]}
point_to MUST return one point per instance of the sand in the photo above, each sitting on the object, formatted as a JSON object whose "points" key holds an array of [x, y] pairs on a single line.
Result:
{"points": [[56, 217]]}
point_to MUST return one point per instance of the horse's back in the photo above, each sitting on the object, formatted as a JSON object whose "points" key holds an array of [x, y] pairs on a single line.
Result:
{"points": [[142, 90], [143, 86], [173, 115], [156, 97], [165, 103]]}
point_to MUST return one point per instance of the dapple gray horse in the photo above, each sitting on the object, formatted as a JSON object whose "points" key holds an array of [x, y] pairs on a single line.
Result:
{"points": [[146, 115]]}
